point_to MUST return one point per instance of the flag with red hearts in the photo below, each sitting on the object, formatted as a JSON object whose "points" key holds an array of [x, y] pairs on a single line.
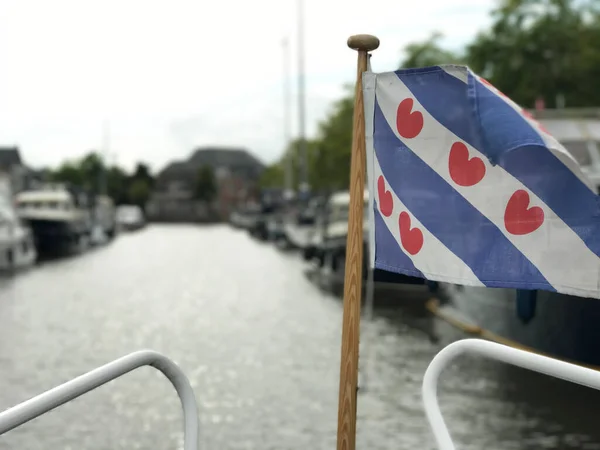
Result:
{"points": [[467, 188]]}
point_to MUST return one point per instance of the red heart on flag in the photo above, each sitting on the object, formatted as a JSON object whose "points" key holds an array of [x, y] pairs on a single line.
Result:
{"points": [[411, 238], [518, 218], [409, 124], [386, 202], [464, 171]]}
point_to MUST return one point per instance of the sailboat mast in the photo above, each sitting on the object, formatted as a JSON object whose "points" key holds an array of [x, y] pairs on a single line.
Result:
{"points": [[301, 101], [104, 156], [287, 128]]}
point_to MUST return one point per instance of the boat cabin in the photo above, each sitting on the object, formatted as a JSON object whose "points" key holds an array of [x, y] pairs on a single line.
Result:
{"points": [[578, 130], [42, 203]]}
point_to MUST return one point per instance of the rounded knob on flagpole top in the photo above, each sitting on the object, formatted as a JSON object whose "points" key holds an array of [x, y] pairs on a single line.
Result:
{"points": [[363, 42]]}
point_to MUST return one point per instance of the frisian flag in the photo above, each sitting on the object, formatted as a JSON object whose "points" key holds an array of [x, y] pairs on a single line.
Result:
{"points": [[469, 189]]}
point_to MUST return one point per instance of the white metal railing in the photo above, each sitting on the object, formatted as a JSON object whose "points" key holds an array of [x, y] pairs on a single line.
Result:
{"points": [[492, 350], [47, 401]]}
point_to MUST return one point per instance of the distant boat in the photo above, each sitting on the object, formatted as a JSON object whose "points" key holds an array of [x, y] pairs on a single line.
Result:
{"points": [[130, 217], [17, 249], [328, 243], [104, 219], [275, 231], [269, 221], [60, 217], [331, 230], [235, 220], [299, 223], [245, 217]]}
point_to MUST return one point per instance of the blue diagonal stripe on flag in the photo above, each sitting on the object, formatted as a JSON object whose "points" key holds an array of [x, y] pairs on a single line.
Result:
{"points": [[500, 130], [474, 190], [391, 256], [446, 214]]}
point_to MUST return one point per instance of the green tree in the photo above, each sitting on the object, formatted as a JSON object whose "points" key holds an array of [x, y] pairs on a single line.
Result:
{"points": [[205, 188], [92, 168], [541, 48], [117, 182], [67, 172], [139, 193], [142, 172], [534, 48], [90, 173], [293, 152], [331, 163], [428, 53], [273, 176], [328, 156]]}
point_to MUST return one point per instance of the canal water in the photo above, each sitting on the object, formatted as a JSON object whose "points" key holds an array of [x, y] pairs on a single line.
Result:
{"points": [[260, 342]]}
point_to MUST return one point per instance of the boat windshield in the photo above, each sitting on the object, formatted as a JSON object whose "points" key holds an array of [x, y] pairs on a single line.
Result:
{"points": [[126, 213], [33, 204]]}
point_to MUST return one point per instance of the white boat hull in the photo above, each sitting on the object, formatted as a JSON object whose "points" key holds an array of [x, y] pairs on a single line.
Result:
{"points": [[18, 251]]}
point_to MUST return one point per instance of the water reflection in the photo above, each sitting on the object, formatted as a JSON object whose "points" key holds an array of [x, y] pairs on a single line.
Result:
{"points": [[485, 403], [259, 340]]}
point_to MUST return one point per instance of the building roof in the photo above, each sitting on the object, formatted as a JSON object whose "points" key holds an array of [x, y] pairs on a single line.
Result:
{"points": [[224, 157], [236, 161], [9, 156]]}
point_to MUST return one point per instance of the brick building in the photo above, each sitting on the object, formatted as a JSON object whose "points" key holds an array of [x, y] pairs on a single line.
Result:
{"points": [[236, 172]]}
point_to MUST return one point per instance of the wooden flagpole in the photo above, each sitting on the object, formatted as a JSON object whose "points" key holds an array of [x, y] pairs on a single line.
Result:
{"points": [[346, 433]]}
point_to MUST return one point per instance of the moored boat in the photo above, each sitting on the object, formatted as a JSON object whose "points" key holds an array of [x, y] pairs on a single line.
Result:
{"points": [[299, 223], [17, 249], [558, 325], [328, 244], [267, 220], [130, 217], [104, 219], [59, 217]]}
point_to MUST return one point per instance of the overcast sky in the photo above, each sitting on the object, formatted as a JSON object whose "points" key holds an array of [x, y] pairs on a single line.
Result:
{"points": [[169, 75]]}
